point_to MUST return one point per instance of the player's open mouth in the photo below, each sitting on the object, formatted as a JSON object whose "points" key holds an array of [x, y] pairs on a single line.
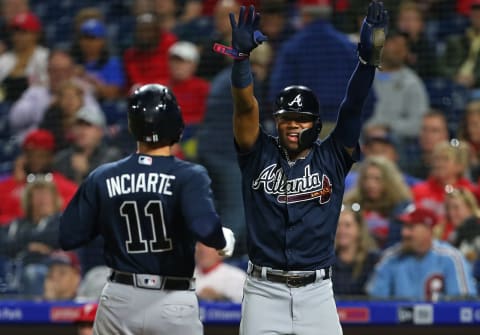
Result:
{"points": [[292, 137]]}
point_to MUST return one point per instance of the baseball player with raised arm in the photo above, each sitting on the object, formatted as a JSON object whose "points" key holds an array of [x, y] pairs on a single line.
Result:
{"points": [[293, 186], [150, 208]]}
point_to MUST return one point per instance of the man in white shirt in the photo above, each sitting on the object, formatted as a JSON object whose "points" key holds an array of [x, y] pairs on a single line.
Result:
{"points": [[402, 99], [27, 112]]}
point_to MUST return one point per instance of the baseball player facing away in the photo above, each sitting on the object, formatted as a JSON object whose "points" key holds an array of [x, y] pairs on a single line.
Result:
{"points": [[150, 208], [293, 186]]}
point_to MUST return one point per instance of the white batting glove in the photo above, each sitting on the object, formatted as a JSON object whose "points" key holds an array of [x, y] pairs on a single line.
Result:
{"points": [[227, 251]]}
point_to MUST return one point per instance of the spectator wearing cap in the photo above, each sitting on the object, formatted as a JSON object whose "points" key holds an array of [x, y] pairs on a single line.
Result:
{"points": [[86, 319], [26, 63], [146, 60], [88, 150], [28, 240], [420, 267], [8, 10], [461, 61], [402, 98], [95, 64], [63, 276], [28, 111], [191, 91], [36, 160]]}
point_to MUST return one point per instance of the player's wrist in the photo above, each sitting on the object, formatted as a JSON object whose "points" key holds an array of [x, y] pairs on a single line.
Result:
{"points": [[241, 73]]}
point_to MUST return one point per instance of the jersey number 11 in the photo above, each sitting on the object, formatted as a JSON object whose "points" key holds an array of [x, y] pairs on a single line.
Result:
{"points": [[136, 243]]}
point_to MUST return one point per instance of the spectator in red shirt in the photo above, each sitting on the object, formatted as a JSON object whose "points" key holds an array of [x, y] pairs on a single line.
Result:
{"points": [[36, 159], [191, 91], [448, 168], [146, 61]]}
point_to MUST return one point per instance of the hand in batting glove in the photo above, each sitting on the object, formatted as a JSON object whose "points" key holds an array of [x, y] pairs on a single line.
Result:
{"points": [[372, 34], [227, 251], [245, 34]]}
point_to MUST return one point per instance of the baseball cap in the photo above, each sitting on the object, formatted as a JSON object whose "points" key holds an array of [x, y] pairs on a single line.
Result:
{"points": [[39, 139], [65, 258], [419, 215], [93, 28], [26, 21], [184, 50], [87, 313], [91, 115]]}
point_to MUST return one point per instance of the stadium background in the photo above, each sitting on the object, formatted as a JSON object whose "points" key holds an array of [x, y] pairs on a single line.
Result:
{"points": [[208, 133]]}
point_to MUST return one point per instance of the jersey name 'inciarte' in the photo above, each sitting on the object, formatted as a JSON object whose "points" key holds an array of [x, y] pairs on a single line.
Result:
{"points": [[309, 186], [139, 182]]}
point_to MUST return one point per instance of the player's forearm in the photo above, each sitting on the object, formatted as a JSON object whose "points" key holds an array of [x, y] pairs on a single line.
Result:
{"points": [[244, 101], [359, 87], [208, 230], [349, 122]]}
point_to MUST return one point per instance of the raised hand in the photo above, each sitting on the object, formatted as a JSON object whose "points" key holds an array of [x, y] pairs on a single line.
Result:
{"points": [[245, 34], [372, 34]]}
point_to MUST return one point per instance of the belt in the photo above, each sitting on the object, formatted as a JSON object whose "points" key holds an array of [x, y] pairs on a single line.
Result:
{"points": [[153, 282], [292, 279]]}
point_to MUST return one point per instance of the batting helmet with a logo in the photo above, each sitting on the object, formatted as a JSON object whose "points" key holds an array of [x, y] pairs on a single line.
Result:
{"points": [[302, 100], [154, 115]]}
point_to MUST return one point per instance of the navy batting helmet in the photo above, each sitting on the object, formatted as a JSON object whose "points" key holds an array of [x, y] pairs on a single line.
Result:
{"points": [[300, 99], [154, 115]]}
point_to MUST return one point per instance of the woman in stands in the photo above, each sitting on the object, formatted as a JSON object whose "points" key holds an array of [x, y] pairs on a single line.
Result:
{"points": [[383, 194], [356, 252]]}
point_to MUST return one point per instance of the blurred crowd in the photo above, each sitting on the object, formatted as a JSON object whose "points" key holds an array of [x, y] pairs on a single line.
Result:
{"points": [[411, 203]]}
